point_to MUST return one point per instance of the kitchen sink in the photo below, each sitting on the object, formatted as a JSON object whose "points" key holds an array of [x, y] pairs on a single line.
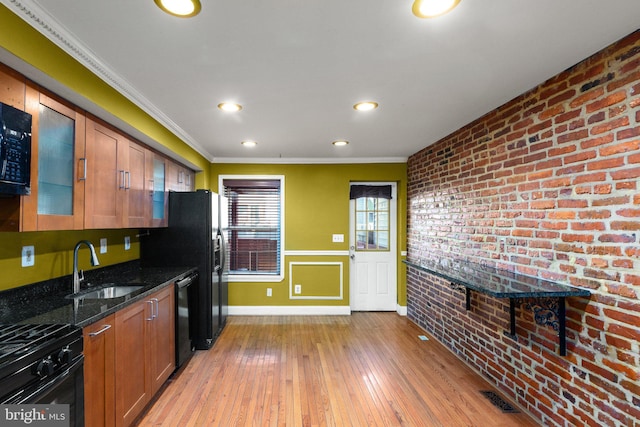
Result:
{"points": [[108, 291]]}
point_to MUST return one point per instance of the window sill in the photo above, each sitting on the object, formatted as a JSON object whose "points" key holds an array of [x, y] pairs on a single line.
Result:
{"points": [[255, 278]]}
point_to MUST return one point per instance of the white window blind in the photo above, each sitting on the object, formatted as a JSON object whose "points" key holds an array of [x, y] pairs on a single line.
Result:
{"points": [[254, 226]]}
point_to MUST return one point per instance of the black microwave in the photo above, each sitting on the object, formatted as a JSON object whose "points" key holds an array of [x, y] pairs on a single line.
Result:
{"points": [[15, 151]]}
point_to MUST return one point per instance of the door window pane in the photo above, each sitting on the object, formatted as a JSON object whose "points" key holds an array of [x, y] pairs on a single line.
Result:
{"points": [[372, 224], [56, 133]]}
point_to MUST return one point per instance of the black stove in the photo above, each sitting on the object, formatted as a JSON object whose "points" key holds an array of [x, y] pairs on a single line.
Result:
{"points": [[42, 364]]}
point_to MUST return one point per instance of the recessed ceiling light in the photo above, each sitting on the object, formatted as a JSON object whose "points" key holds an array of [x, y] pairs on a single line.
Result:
{"points": [[366, 106], [249, 144], [229, 107], [180, 8], [340, 143], [433, 8]]}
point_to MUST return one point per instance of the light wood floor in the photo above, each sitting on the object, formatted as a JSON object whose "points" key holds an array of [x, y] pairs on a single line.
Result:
{"points": [[367, 369]]}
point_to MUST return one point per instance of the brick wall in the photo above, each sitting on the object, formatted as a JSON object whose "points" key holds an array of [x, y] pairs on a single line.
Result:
{"points": [[547, 185]]}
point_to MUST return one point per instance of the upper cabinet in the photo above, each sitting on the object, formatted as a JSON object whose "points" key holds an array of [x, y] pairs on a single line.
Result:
{"points": [[156, 170], [125, 182], [179, 177], [107, 161], [85, 174], [58, 165]]}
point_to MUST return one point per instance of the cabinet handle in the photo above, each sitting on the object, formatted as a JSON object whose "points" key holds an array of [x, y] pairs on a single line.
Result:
{"points": [[121, 179], [180, 177], [84, 163], [155, 300], [127, 174], [96, 333], [152, 316], [152, 187], [189, 180]]}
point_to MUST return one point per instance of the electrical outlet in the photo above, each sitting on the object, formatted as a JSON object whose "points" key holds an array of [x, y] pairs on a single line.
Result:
{"points": [[297, 289], [127, 243], [269, 292], [338, 238], [28, 256], [103, 245]]}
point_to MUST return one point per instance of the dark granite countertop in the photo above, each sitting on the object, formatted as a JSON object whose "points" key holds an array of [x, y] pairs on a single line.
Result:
{"points": [[46, 302], [496, 282]]}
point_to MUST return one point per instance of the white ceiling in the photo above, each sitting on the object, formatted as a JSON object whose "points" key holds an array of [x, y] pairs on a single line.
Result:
{"points": [[298, 67]]}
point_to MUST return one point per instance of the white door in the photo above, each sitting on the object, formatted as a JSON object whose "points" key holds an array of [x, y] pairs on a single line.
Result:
{"points": [[372, 249]]}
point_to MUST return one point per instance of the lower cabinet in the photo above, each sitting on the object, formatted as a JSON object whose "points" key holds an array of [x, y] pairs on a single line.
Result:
{"points": [[99, 373], [140, 359]]}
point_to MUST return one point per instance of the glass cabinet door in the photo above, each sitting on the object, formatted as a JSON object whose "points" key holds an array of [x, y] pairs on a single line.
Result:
{"points": [[58, 165], [55, 162], [158, 195]]}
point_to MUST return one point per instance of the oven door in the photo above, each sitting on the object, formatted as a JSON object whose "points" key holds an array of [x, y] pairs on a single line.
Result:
{"points": [[65, 388]]}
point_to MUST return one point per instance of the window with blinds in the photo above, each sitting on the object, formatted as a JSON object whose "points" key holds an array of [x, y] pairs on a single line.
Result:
{"points": [[255, 225]]}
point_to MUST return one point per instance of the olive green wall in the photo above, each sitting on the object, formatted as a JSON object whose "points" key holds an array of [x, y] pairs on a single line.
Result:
{"points": [[316, 207], [54, 253]]}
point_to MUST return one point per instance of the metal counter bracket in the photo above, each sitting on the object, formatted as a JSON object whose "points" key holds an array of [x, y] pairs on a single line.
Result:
{"points": [[548, 311], [546, 299]]}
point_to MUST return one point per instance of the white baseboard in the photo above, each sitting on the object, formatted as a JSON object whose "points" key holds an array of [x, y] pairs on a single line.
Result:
{"points": [[402, 310], [289, 310]]}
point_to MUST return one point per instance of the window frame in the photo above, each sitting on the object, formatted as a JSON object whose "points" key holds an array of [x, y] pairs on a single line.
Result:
{"points": [[279, 277]]}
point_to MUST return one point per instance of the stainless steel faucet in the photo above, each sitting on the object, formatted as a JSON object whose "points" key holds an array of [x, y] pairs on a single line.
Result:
{"points": [[78, 276]]}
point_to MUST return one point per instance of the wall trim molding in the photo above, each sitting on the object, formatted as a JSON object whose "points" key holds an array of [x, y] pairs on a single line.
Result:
{"points": [[316, 253], [310, 161], [401, 310], [289, 310], [293, 296]]}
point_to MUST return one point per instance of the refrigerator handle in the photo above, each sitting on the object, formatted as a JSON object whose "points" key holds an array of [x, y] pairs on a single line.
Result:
{"points": [[223, 250]]}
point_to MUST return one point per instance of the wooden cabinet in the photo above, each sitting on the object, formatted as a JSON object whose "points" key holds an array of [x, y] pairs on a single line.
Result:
{"points": [[189, 180], [161, 338], [158, 206], [99, 373], [179, 178], [131, 379], [136, 200], [119, 185], [106, 153], [58, 165], [145, 352], [85, 174]]}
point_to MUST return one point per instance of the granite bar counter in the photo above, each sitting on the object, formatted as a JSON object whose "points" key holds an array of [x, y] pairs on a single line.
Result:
{"points": [[498, 283], [47, 302]]}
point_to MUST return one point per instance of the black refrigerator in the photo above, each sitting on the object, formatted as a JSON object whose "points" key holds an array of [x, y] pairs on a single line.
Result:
{"points": [[196, 236]]}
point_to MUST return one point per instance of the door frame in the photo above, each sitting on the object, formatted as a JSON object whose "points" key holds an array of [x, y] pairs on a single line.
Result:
{"points": [[393, 240]]}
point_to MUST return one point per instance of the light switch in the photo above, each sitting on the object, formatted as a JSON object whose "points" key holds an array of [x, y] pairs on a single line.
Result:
{"points": [[28, 256], [103, 245]]}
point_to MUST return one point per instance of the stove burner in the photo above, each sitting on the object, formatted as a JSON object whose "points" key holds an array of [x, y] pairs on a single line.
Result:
{"points": [[16, 349], [16, 340]]}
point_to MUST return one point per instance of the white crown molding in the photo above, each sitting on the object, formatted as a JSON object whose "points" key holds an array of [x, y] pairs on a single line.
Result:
{"points": [[30, 12], [310, 161]]}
